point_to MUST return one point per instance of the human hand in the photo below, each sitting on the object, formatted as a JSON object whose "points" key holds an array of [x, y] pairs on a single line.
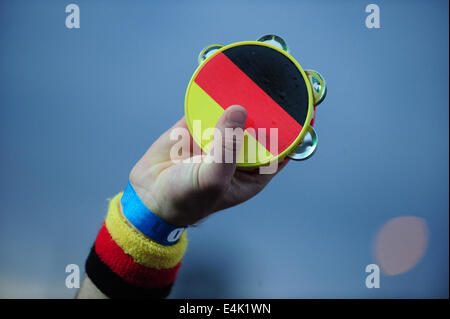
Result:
{"points": [[184, 193]]}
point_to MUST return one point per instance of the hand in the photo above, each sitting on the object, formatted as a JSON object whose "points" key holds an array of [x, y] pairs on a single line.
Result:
{"points": [[184, 193]]}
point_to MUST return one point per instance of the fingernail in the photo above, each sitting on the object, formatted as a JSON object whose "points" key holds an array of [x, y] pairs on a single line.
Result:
{"points": [[236, 118]]}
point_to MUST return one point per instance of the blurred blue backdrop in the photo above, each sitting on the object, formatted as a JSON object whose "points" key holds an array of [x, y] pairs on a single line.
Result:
{"points": [[79, 107]]}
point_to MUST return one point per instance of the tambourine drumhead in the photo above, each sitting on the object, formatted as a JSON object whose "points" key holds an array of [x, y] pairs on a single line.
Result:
{"points": [[265, 80]]}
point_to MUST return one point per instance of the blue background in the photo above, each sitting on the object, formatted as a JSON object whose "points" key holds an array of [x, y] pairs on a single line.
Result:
{"points": [[79, 107]]}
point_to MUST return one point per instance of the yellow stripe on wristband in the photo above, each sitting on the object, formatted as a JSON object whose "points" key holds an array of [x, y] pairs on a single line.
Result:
{"points": [[143, 250]]}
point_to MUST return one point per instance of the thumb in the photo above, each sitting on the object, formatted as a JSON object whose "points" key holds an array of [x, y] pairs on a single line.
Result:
{"points": [[220, 164]]}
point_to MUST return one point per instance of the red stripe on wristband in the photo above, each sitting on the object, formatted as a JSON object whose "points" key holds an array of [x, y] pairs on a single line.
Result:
{"points": [[124, 265]]}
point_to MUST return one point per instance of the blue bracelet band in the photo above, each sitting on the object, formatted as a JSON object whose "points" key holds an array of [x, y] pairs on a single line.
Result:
{"points": [[146, 222]]}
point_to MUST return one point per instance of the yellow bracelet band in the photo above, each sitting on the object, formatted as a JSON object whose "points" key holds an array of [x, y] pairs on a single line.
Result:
{"points": [[143, 250]]}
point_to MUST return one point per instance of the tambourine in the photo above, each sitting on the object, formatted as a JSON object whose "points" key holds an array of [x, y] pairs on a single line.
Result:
{"points": [[279, 96]]}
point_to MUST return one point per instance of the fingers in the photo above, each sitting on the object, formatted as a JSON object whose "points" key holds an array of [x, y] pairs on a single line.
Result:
{"points": [[219, 166]]}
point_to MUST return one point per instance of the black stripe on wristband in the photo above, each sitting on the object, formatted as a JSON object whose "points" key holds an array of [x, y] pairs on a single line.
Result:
{"points": [[113, 286]]}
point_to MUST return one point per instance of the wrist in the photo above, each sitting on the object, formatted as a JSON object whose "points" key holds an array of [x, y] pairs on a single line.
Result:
{"points": [[142, 219], [165, 206]]}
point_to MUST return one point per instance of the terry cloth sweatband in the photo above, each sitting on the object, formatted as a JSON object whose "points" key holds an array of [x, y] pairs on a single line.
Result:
{"points": [[130, 271], [143, 250], [120, 274], [113, 286], [146, 222]]}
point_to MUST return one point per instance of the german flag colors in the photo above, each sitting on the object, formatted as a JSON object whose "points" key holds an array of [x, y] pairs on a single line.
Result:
{"points": [[265, 80], [123, 263]]}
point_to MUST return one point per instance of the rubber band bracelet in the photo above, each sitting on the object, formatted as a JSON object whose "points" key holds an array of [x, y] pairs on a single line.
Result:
{"points": [[146, 222]]}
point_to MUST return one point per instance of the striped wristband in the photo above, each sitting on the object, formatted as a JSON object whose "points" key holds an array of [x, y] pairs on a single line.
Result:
{"points": [[146, 222], [123, 263]]}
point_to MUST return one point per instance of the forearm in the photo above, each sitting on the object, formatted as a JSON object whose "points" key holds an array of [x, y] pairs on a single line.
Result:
{"points": [[123, 263]]}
